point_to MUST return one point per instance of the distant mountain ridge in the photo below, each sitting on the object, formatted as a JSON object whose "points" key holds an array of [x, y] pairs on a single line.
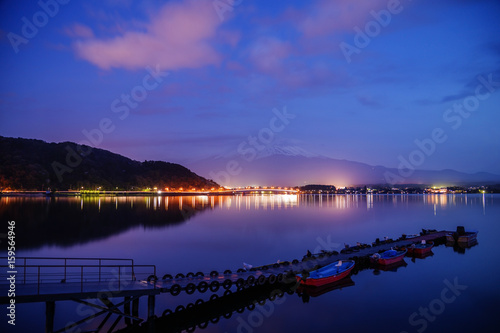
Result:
{"points": [[292, 167], [28, 164]]}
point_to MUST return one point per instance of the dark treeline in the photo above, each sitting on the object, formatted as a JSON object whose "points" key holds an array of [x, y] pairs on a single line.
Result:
{"points": [[37, 165]]}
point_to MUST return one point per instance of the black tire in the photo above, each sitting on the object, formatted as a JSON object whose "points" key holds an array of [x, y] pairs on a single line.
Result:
{"points": [[276, 265], [265, 268], [228, 272], [272, 279], [166, 312], [190, 275], [251, 280], [167, 277], [202, 286], [227, 284], [214, 320], [190, 288], [227, 292], [295, 261], [214, 297], [214, 286], [190, 329], [203, 325], [240, 283], [251, 306], [240, 310], [200, 274], [175, 289], [199, 302], [227, 315], [180, 276], [261, 280], [190, 305], [153, 278], [180, 308], [261, 302], [280, 278], [214, 273], [240, 270]]}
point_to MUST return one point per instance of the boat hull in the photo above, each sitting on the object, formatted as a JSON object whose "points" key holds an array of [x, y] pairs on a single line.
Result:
{"points": [[391, 260], [315, 291], [468, 237], [331, 278], [420, 249]]}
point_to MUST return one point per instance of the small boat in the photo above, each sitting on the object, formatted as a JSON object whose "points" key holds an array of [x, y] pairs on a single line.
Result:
{"points": [[327, 274], [314, 291], [462, 236], [388, 257], [420, 248]]}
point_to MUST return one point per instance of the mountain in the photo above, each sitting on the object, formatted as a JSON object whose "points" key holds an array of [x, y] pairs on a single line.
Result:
{"points": [[291, 166], [37, 165]]}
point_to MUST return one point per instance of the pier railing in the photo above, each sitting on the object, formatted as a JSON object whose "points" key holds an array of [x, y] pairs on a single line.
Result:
{"points": [[47, 270]]}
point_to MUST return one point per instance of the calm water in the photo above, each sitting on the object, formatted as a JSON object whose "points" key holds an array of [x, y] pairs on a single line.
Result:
{"points": [[182, 234]]}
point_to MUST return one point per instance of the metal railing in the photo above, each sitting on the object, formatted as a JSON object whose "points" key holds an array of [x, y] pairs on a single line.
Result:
{"points": [[45, 270]]}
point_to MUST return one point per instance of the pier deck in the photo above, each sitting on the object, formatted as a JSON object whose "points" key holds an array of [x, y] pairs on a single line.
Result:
{"points": [[41, 292]]}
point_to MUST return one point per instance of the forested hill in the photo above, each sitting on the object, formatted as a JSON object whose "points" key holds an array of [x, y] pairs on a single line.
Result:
{"points": [[27, 164]]}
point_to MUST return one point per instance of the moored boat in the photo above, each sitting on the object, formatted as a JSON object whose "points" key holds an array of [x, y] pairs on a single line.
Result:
{"points": [[388, 257], [315, 291], [420, 248], [462, 236], [327, 274]]}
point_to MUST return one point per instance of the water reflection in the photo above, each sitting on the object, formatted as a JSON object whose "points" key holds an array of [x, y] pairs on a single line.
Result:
{"points": [[66, 221], [69, 221]]}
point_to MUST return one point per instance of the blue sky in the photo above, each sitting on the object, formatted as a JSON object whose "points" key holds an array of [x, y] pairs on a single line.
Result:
{"points": [[217, 69]]}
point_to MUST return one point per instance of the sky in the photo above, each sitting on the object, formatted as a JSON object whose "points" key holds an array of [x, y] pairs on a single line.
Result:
{"points": [[373, 81]]}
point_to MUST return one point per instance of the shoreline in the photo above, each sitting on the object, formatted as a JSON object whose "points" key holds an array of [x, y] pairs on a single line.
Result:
{"points": [[156, 194]]}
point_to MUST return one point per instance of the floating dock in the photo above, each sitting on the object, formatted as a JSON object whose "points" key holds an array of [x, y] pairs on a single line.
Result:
{"points": [[105, 279]]}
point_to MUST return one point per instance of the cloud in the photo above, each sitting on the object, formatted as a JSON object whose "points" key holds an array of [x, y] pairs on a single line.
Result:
{"points": [[79, 31], [268, 54], [178, 36], [333, 16]]}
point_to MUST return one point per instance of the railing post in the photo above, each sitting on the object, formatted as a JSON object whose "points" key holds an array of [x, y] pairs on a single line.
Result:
{"points": [[81, 279], [119, 280], [24, 270], [50, 309], [65, 269], [38, 279], [99, 270], [133, 272]]}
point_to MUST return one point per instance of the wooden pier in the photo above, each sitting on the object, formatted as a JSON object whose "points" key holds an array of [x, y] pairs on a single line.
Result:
{"points": [[79, 279]]}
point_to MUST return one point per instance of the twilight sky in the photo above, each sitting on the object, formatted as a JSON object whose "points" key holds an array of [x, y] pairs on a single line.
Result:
{"points": [[367, 81]]}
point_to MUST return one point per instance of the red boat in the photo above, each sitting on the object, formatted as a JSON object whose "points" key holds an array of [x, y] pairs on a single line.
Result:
{"points": [[314, 291], [327, 274], [389, 257], [420, 248]]}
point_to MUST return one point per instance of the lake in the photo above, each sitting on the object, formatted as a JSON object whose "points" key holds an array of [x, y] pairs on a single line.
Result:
{"points": [[450, 291]]}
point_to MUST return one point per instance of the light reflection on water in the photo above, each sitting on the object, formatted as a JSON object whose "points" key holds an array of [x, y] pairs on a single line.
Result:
{"points": [[193, 233]]}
